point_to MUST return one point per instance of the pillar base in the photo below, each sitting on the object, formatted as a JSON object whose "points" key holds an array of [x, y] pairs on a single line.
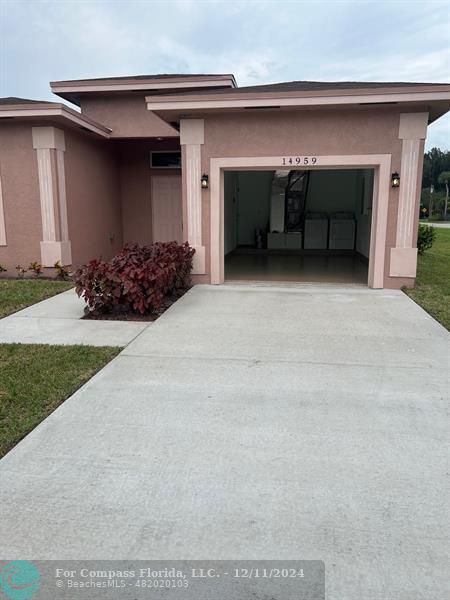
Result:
{"points": [[52, 252], [198, 263], [403, 262]]}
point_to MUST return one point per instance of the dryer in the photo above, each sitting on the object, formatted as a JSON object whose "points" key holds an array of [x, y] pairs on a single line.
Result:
{"points": [[342, 231]]}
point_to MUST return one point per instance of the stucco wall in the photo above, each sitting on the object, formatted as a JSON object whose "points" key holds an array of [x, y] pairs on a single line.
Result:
{"points": [[93, 197], [285, 133], [20, 186], [127, 116]]}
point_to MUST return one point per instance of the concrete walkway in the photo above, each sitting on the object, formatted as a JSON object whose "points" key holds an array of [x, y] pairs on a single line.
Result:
{"points": [[253, 422], [57, 321]]}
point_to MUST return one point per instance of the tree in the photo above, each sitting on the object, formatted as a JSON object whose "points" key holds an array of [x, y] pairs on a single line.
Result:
{"points": [[444, 179], [435, 162]]}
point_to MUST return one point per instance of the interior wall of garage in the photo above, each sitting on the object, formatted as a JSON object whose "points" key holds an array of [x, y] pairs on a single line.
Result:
{"points": [[230, 211], [331, 191], [253, 204], [246, 206], [365, 178], [247, 202]]}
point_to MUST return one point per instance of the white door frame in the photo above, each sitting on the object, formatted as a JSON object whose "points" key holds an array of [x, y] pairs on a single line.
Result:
{"points": [[381, 163]]}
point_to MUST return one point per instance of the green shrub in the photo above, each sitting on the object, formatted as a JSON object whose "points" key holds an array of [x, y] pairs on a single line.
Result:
{"points": [[425, 238]]}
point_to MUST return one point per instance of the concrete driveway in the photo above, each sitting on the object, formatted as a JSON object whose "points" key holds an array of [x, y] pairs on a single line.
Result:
{"points": [[253, 422]]}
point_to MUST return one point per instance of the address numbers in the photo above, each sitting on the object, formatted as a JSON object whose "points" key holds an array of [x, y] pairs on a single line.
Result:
{"points": [[289, 161]]}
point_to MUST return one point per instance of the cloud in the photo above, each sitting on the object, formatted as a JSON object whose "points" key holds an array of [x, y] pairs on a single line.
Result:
{"points": [[258, 41]]}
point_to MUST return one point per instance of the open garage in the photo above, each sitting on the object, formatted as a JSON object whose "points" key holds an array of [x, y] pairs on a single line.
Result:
{"points": [[298, 225]]}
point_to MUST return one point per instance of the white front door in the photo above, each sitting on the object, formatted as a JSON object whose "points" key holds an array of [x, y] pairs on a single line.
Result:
{"points": [[167, 211]]}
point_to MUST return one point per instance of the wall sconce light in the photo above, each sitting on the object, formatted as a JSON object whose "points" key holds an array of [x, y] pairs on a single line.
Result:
{"points": [[205, 182], [395, 180]]}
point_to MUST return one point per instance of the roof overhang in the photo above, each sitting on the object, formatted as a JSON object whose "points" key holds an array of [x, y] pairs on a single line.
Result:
{"points": [[58, 113], [436, 98], [74, 89]]}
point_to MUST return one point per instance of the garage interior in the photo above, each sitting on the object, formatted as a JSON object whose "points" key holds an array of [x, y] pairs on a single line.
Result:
{"points": [[298, 225]]}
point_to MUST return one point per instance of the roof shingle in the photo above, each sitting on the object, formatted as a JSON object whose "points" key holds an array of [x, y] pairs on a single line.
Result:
{"points": [[12, 100], [310, 86]]}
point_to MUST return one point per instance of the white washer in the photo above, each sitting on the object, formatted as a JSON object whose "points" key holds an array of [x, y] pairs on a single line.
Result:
{"points": [[316, 231]]}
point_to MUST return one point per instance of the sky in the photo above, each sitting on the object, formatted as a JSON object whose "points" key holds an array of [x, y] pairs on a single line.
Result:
{"points": [[258, 41]]}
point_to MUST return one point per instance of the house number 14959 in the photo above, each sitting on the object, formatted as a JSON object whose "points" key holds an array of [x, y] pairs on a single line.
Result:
{"points": [[299, 160]]}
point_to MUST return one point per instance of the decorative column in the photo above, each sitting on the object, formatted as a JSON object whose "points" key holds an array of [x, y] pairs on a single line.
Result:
{"points": [[192, 138], [2, 217], [50, 147], [412, 132]]}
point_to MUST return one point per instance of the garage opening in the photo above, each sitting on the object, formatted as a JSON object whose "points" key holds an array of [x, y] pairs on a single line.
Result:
{"points": [[298, 225]]}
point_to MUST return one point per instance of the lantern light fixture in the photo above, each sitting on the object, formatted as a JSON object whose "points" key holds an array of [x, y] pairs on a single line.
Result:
{"points": [[395, 180], [205, 182]]}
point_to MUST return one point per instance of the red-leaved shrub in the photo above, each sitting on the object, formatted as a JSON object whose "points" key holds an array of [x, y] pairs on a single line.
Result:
{"points": [[137, 279]]}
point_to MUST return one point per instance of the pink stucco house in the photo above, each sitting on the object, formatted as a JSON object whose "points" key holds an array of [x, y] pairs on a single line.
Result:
{"points": [[296, 181]]}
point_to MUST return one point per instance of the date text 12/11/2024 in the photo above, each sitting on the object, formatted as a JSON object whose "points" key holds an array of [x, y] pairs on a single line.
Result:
{"points": [[299, 161], [253, 573]]}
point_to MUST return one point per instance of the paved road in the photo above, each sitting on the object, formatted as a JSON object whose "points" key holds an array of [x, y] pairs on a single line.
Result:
{"points": [[439, 225], [253, 422]]}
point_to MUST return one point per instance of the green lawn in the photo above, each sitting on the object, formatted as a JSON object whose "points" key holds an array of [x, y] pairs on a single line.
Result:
{"points": [[16, 294], [432, 289], [35, 379]]}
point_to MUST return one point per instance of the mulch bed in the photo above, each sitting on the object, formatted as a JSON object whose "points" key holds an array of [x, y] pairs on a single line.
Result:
{"points": [[132, 316]]}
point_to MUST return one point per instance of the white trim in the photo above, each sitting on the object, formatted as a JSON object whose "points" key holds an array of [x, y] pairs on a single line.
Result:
{"points": [[412, 132], [64, 224], [49, 143], [48, 137], [194, 194], [177, 103], [407, 192], [380, 162], [2, 217], [413, 126], [135, 85], [192, 137], [192, 131], [403, 262], [46, 194], [52, 252], [24, 111]]}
